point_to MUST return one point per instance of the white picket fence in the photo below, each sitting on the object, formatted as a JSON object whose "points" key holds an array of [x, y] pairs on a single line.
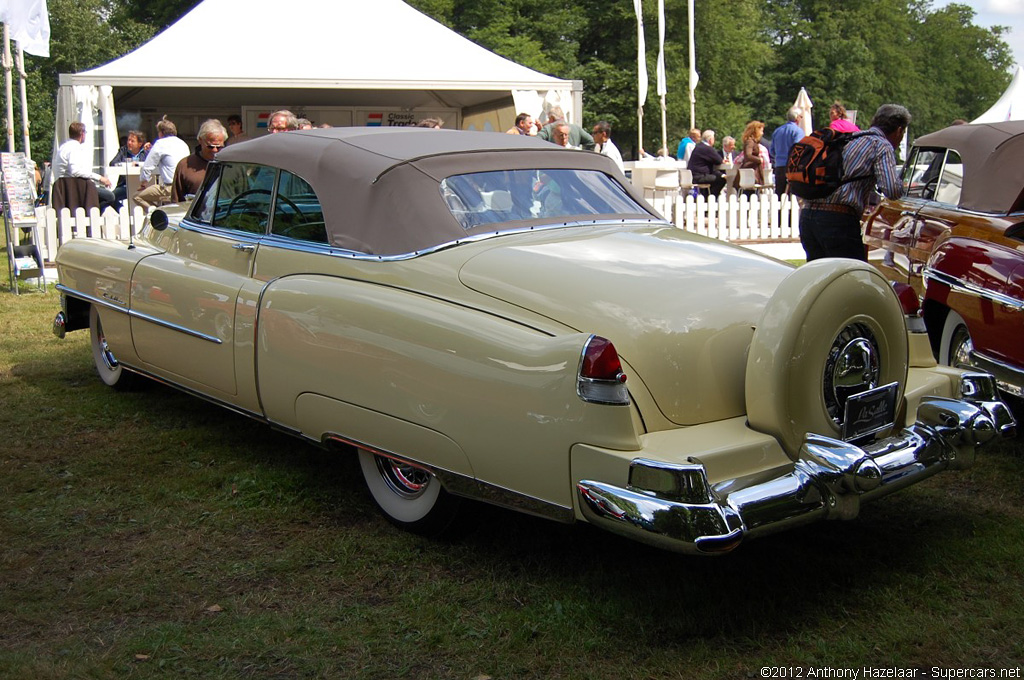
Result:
{"points": [[760, 221], [52, 229]]}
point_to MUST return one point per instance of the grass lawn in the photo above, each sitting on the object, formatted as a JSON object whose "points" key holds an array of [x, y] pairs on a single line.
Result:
{"points": [[151, 534]]}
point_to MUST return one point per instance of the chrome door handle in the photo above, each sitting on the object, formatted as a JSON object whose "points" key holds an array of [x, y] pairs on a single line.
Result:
{"points": [[244, 247]]}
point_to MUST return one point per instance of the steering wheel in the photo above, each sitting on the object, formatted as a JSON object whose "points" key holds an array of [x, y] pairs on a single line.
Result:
{"points": [[247, 192]]}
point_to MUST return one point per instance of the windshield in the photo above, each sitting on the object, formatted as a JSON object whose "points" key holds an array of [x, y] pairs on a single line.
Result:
{"points": [[483, 198]]}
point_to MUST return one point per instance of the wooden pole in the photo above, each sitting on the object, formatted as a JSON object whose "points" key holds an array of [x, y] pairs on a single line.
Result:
{"points": [[24, 100], [8, 89]]}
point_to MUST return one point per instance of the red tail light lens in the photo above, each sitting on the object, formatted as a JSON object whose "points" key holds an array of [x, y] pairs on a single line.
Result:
{"points": [[601, 361], [601, 379]]}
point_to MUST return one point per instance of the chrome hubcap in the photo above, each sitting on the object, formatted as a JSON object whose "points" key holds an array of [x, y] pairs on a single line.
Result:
{"points": [[404, 479], [853, 366], [961, 348], [109, 360]]}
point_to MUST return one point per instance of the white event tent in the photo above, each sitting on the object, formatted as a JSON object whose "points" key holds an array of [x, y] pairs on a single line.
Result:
{"points": [[1010, 106], [343, 62]]}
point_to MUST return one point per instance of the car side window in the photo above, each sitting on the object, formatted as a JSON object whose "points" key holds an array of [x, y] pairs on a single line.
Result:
{"points": [[297, 211], [238, 198], [921, 174], [948, 189]]}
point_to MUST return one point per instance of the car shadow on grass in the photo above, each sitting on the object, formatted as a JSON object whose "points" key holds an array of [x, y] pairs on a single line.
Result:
{"points": [[578, 575]]}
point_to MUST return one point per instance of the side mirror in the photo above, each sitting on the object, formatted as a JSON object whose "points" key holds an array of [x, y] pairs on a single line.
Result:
{"points": [[158, 220]]}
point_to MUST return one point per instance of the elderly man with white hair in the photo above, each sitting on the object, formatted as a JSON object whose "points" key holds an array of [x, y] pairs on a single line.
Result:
{"points": [[191, 170], [704, 164], [783, 140]]}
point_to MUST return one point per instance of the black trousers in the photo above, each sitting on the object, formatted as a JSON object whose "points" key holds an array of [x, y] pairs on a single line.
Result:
{"points": [[824, 233], [717, 183], [780, 181]]}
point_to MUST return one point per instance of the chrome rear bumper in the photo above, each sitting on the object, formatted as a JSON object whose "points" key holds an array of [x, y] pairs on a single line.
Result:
{"points": [[674, 507]]}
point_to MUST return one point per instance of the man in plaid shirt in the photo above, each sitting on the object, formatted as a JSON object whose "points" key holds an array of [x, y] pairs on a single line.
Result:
{"points": [[830, 226]]}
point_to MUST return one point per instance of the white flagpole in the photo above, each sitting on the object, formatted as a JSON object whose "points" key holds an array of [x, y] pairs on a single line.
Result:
{"points": [[693, 69], [641, 73], [8, 89], [662, 81]]}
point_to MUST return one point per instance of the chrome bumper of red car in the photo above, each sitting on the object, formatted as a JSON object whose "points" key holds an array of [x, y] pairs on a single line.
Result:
{"points": [[675, 508]]}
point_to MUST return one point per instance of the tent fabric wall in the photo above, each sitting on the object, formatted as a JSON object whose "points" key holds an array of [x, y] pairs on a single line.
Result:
{"points": [[94, 106], [332, 53], [1010, 106]]}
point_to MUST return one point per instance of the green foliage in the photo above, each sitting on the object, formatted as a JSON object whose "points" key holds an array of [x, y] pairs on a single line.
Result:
{"points": [[753, 56], [83, 34]]}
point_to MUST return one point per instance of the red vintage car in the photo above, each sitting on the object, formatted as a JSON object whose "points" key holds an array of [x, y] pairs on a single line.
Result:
{"points": [[957, 237]]}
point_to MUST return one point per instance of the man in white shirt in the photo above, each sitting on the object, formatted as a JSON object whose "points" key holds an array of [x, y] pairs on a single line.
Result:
{"points": [[73, 160], [603, 143], [157, 173]]}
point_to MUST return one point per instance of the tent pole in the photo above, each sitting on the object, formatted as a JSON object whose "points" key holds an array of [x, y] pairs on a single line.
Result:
{"points": [[640, 130], [664, 137], [8, 89]]}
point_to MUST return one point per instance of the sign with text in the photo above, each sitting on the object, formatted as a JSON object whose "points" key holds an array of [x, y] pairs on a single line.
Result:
{"points": [[19, 186]]}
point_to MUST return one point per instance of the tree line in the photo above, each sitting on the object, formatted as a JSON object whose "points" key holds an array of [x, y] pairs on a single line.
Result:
{"points": [[753, 56]]}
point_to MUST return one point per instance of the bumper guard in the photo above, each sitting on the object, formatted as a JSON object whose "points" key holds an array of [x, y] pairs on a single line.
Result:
{"points": [[674, 507]]}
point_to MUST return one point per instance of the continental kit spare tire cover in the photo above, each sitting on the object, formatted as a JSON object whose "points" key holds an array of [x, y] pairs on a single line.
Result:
{"points": [[833, 328]]}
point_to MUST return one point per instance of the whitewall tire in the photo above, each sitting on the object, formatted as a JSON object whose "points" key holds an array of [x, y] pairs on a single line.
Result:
{"points": [[111, 372], [409, 496]]}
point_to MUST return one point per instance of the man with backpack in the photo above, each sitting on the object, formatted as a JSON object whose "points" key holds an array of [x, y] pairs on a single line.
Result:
{"points": [[830, 226]]}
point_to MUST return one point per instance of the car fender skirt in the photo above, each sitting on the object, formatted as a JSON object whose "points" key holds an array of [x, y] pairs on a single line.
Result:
{"points": [[673, 506]]}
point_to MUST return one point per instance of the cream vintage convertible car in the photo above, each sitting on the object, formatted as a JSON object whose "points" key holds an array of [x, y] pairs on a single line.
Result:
{"points": [[492, 317]]}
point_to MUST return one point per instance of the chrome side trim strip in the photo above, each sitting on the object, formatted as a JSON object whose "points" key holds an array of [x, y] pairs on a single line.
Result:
{"points": [[137, 315], [355, 255], [174, 327], [973, 289], [102, 302], [459, 484], [1009, 378]]}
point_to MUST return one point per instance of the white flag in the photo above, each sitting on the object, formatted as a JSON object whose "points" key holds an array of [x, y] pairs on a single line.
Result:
{"points": [[662, 84], [641, 55], [28, 23]]}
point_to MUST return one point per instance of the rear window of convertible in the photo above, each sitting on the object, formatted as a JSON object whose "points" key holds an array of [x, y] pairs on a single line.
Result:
{"points": [[494, 197]]}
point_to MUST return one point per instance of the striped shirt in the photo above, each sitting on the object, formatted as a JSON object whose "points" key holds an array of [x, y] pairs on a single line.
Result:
{"points": [[869, 154]]}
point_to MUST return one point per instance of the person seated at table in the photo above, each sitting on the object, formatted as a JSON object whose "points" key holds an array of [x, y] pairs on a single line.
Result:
{"points": [[728, 149], [157, 172], [134, 150], [73, 160], [191, 170], [704, 164], [691, 138]]}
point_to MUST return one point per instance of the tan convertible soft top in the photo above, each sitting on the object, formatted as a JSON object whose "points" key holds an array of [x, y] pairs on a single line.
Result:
{"points": [[379, 187], [993, 156]]}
